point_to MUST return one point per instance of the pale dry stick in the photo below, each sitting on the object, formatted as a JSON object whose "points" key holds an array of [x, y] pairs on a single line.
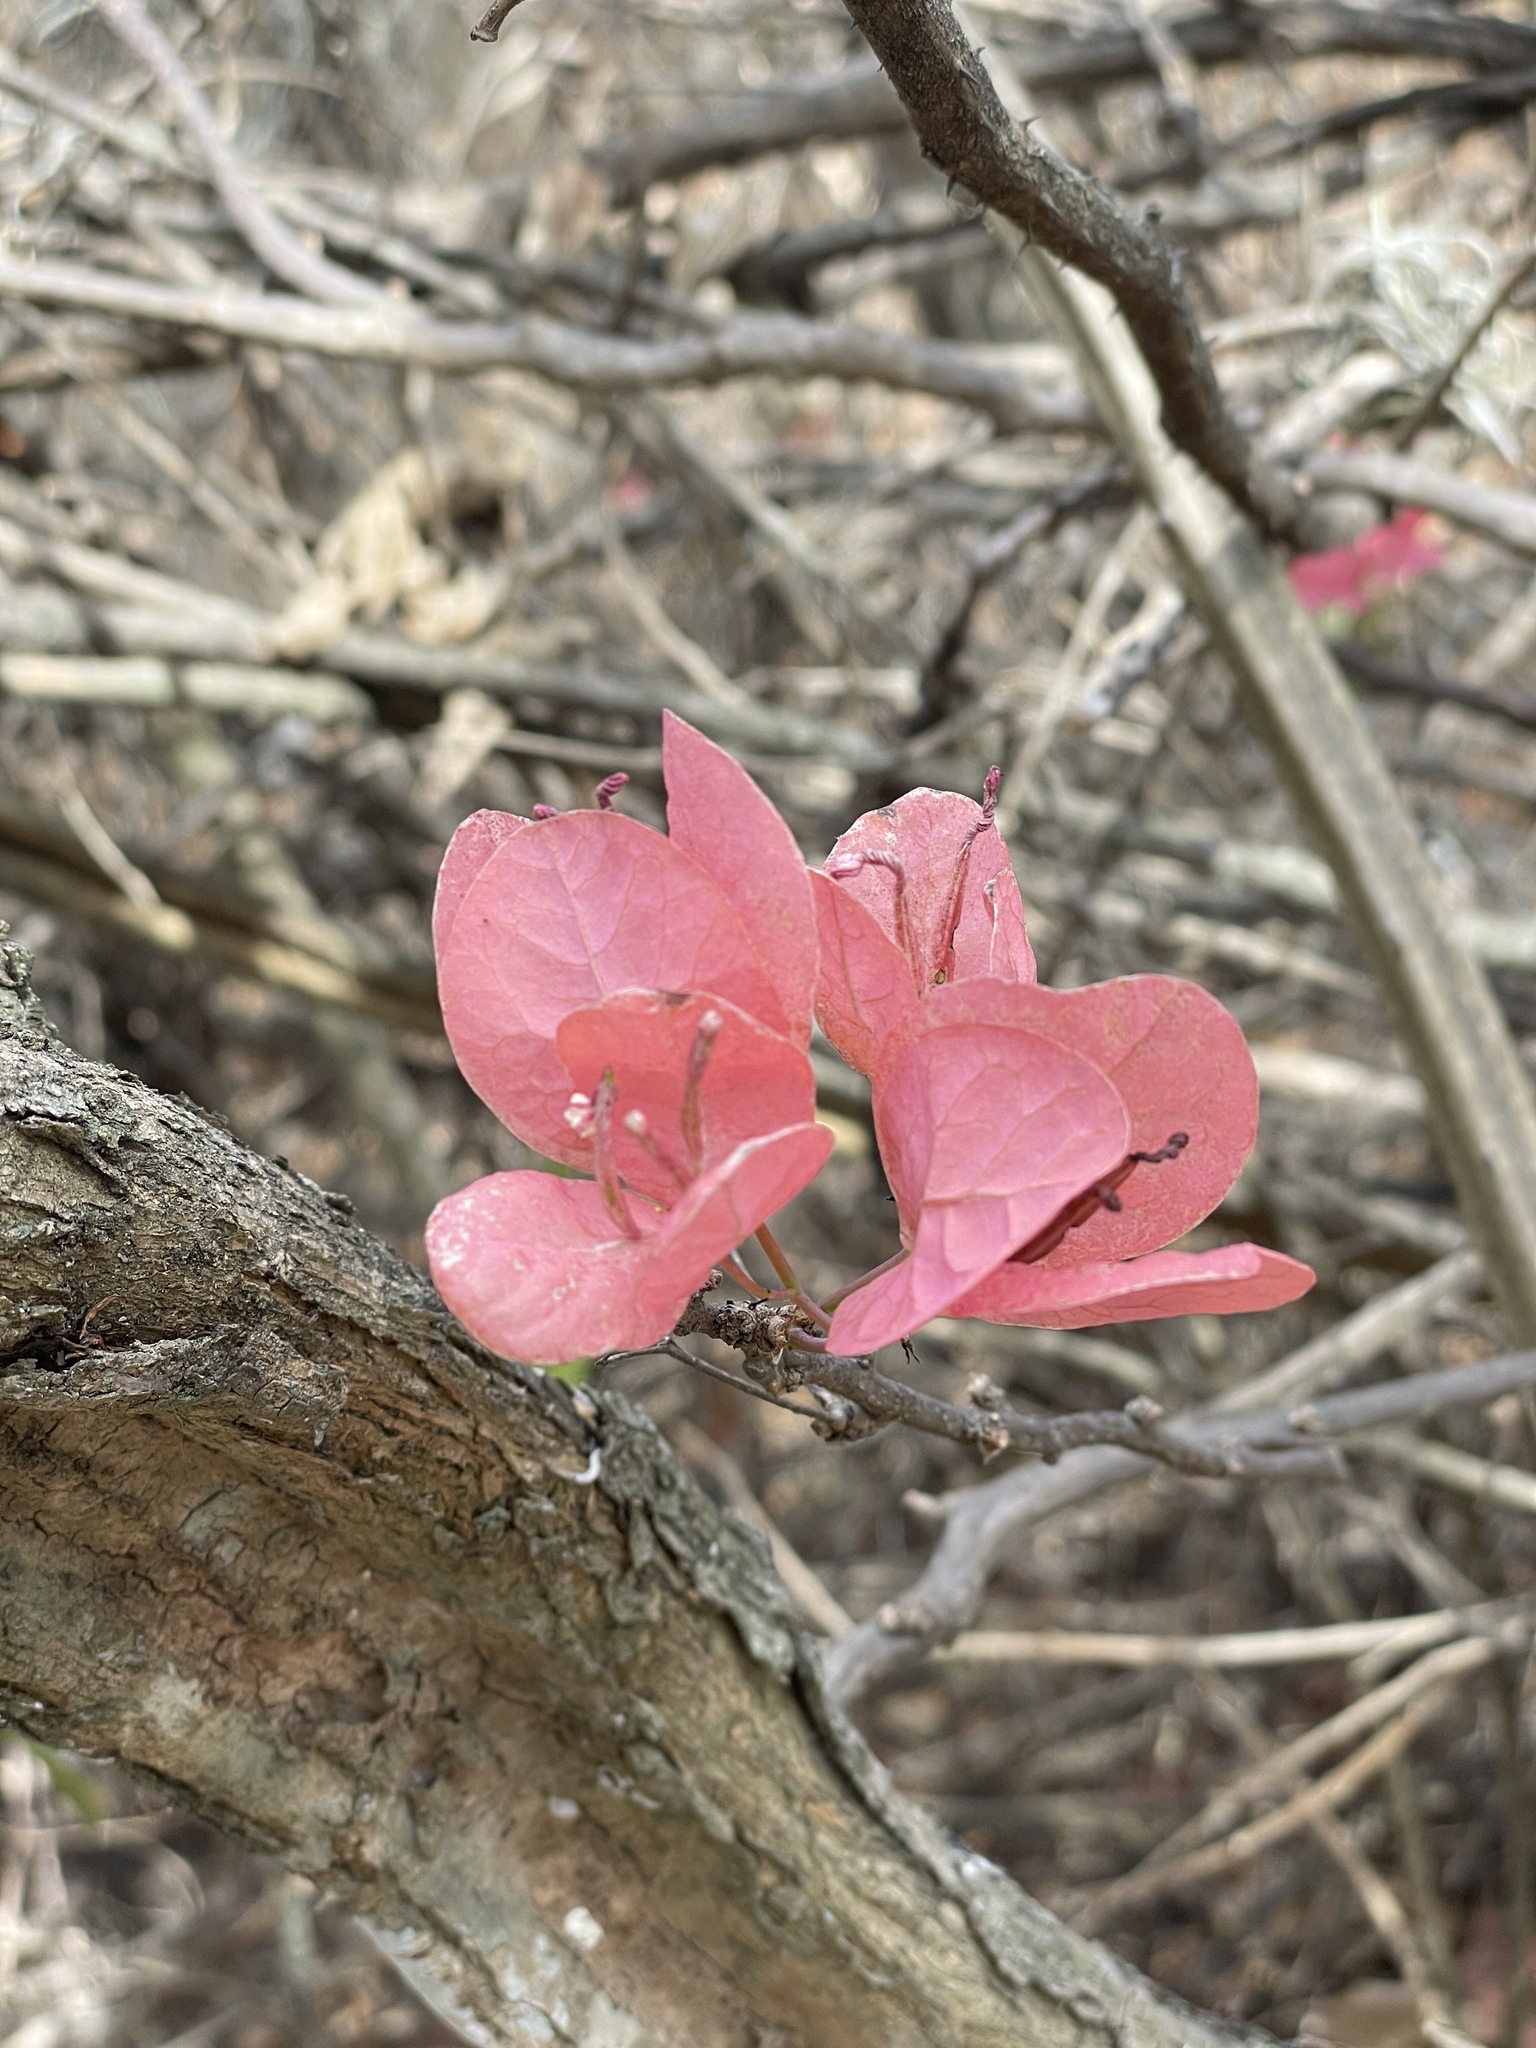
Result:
{"points": [[1077, 1348], [993, 558], [161, 615], [135, 136], [1389, 1219], [1503, 1486], [164, 453], [1310, 1562], [75, 809], [1135, 653], [821, 1608], [1507, 1685], [1302, 1075], [1325, 1795], [669, 639], [469, 728], [1480, 1097], [1379, 1901], [1203, 938], [465, 290], [283, 253], [1387, 1320], [98, 573], [1392, 1519], [358, 1045], [1515, 274], [594, 754], [1340, 1416], [171, 929], [103, 848], [174, 463], [1037, 728], [327, 939], [603, 365], [1506, 642], [1001, 695], [1333, 1641], [1312, 416], [1282, 1768]]}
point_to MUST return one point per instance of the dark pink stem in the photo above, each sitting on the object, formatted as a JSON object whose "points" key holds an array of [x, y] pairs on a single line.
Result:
{"points": [[841, 1294]]}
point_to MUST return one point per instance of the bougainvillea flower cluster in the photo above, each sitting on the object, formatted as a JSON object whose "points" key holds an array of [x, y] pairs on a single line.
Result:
{"points": [[637, 1007]]}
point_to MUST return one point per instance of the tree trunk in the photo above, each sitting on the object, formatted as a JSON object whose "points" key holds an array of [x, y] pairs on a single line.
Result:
{"points": [[465, 1647]]}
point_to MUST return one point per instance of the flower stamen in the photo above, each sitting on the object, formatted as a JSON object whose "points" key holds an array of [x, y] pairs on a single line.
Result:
{"points": [[1102, 1195], [609, 788], [944, 959], [692, 1118]]}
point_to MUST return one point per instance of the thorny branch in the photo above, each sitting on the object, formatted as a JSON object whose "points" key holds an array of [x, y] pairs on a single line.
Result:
{"points": [[965, 129]]}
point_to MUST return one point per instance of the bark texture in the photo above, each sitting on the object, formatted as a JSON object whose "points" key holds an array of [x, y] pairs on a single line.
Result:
{"points": [[466, 1647]]}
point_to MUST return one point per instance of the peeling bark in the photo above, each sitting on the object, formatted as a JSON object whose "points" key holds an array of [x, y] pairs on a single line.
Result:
{"points": [[463, 1646]]}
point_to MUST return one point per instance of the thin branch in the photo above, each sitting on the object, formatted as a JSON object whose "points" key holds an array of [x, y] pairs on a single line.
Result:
{"points": [[1395, 678], [145, 612], [1326, 1795], [602, 364], [670, 1348], [1401, 1400], [282, 252], [981, 1523], [311, 953], [939, 691], [1282, 1770], [764, 1333], [488, 28], [1360, 1338], [1378, 1900], [1255, 1649], [668, 638], [1503, 1486]]}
